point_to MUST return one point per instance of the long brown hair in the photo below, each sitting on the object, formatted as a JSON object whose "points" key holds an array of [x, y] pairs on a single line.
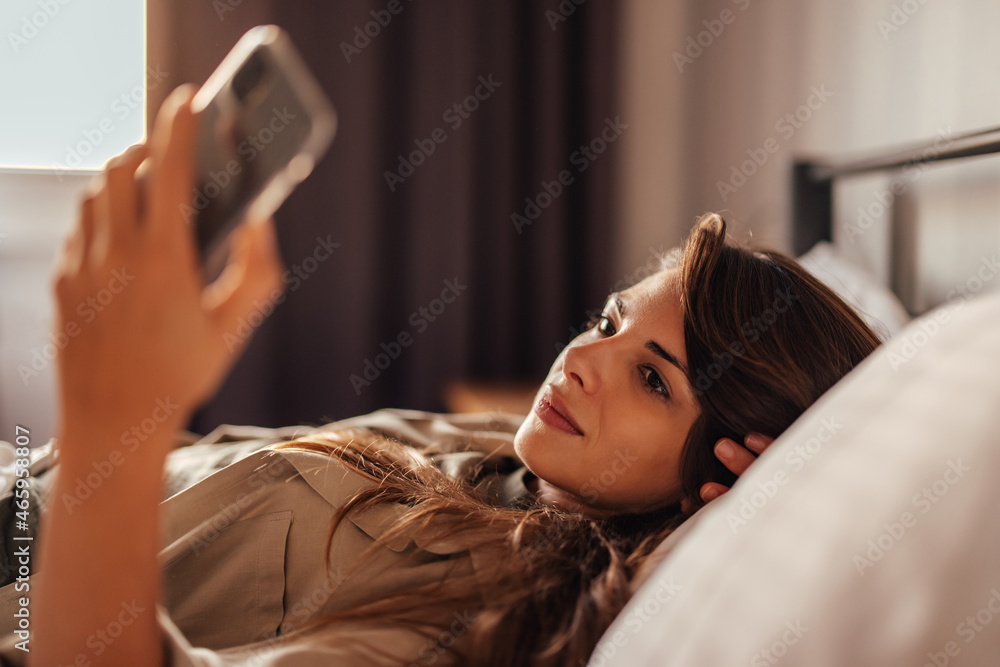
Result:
{"points": [[764, 340]]}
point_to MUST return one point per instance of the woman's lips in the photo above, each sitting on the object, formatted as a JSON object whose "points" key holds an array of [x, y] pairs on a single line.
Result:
{"points": [[551, 411]]}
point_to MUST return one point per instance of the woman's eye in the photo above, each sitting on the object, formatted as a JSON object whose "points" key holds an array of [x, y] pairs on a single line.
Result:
{"points": [[653, 381], [605, 325]]}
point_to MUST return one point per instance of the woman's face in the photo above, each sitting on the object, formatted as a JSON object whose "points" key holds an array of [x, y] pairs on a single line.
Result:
{"points": [[608, 425]]}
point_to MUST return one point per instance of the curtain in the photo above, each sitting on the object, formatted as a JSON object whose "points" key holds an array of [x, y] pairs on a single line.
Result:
{"points": [[461, 224]]}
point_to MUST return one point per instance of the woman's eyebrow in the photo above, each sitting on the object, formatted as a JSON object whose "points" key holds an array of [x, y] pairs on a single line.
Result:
{"points": [[652, 345]]}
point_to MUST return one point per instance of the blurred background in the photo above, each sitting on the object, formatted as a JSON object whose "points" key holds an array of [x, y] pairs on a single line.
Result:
{"points": [[652, 112]]}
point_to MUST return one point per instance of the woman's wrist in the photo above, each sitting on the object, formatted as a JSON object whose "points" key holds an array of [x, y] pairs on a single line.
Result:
{"points": [[120, 435]]}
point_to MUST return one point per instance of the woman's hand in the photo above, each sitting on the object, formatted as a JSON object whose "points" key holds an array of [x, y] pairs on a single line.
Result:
{"points": [[147, 343], [129, 281], [737, 459]]}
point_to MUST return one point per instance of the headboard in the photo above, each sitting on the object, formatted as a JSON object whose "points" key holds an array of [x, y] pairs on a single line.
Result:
{"points": [[813, 183]]}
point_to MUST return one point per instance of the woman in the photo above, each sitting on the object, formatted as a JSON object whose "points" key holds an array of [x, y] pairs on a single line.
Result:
{"points": [[728, 347]]}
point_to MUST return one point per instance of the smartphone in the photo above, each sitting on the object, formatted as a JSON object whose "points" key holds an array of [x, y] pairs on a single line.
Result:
{"points": [[265, 122]]}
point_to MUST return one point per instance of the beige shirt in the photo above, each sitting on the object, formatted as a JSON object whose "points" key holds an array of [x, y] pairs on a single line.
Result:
{"points": [[244, 534]]}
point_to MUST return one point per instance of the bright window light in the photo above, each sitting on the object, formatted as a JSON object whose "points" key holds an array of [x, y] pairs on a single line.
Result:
{"points": [[73, 82]]}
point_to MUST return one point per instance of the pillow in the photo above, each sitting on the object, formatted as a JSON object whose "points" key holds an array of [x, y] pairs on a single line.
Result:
{"points": [[868, 534], [880, 308]]}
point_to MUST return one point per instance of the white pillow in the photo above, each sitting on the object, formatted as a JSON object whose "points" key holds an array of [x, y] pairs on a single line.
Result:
{"points": [[868, 534], [881, 309]]}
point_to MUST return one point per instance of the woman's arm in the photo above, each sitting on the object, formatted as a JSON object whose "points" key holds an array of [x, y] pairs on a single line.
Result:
{"points": [[152, 353]]}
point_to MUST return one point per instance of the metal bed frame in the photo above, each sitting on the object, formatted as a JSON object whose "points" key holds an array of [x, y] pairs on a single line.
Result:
{"points": [[813, 180]]}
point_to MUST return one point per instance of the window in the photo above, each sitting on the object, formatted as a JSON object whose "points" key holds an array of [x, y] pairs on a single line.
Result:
{"points": [[73, 80]]}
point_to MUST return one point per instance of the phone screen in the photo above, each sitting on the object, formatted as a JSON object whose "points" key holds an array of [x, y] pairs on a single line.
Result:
{"points": [[253, 127]]}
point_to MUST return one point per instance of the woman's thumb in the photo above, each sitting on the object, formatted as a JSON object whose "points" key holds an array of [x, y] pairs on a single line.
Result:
{"points": [[252, 280]]}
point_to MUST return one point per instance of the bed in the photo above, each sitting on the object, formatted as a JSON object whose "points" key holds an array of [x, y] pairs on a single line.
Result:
{"points": [[868, 534]]}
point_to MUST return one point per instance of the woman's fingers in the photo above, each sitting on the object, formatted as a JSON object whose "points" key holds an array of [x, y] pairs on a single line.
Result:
{"points": [[173, 151], [757, 443], [121, 193], [734, 457], [106, 224], [74, 249], [712, 490], [737, 459], [251, 280]]}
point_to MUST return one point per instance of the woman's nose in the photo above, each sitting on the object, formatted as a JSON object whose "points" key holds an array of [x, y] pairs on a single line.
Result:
{"points": [[581, 365]]}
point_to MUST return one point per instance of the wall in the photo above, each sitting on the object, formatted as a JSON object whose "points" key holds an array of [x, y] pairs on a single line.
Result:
{"points": [[36, 210], [888, 72], [650, 173]]}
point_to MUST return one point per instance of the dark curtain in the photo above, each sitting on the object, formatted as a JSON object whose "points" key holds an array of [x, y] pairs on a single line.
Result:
{"points": [[445, 233]]}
